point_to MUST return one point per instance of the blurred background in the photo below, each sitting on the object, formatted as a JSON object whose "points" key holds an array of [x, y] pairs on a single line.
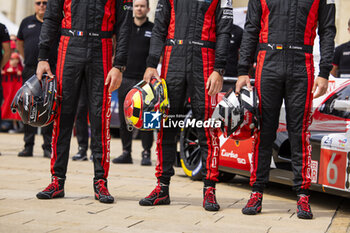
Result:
{"points": [[13, 11]]}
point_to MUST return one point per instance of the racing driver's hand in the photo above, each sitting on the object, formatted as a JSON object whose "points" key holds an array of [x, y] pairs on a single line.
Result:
{"points": [[321, 84], [150, 73], [242, 81], [43, 67], [114, 79], [214, 83]]}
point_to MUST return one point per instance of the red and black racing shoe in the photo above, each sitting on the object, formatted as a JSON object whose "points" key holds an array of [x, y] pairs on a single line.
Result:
{"points": [[101, 191], [159, 196], [303, 207], [54, 190], [254, 204], [209, 200]]}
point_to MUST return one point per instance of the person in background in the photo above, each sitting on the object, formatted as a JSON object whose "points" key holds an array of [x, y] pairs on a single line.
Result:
{"points": [[11, 83], [27, 45], [4, 54], [13, 44], [233, 51], [135, 68], [341, 60]]}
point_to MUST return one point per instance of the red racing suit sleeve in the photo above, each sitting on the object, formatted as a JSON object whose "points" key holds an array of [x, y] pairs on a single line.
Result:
{"points": [[224, 25], [250, 38], [159, 32], [326, 32], [51, 26], [124, 22]]}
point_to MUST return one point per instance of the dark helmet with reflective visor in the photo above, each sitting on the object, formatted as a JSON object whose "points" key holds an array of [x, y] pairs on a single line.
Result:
{"points": [[239, 114], [37, 101]]}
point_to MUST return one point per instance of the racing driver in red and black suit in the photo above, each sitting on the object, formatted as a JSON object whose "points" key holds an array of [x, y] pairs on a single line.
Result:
{"points": [[194, 36], [85, 52], [284, 33]]}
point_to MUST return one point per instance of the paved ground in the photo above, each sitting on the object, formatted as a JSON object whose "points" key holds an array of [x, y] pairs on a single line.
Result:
{"points": [[22, 178]]}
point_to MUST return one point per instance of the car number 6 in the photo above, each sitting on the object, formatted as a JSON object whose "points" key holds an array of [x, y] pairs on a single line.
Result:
{"points": [[332, 166]]}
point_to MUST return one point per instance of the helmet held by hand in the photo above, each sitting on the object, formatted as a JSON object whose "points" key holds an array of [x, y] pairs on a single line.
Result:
{"points": [[146, 97], [239, 114], [37, 101]]}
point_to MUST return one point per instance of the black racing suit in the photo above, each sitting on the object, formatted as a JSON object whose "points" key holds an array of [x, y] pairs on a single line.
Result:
{"points": [[194, 36], [284, 31], [138, 51], [85, 52]]}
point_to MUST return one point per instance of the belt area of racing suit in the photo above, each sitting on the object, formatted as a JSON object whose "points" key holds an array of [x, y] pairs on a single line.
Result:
{"points": [[84, 33], [285, 46], [202, 43]]}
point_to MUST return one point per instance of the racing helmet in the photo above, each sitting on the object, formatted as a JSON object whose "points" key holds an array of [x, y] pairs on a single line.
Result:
{"points": [[239, 114], [36, 101], [146, 97]]}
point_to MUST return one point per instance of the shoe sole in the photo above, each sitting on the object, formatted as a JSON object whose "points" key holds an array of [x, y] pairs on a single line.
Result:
{"points": [[118, 162], [83, 159], [304, 216], [156, 202], [146, 164], [212, 209], [45, 197], [108, 201], [251, 211]]}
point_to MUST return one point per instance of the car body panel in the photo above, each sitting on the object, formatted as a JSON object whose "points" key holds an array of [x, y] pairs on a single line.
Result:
{"points": [[115, 123]]}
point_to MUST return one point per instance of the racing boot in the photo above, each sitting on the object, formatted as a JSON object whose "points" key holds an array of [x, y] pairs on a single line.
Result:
{"points": [[159, 196], [209, 200], [123, 158], [47, 151], [54, 190], [26, 152], [254, 204], [101, 191], [47, 154], [146, 158], [80, 156], [303, 207]]}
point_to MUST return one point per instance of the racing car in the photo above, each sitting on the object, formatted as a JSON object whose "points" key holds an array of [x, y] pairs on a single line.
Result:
{"points": [[330, 140]]}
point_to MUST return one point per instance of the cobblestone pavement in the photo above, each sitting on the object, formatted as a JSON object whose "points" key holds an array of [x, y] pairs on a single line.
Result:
{"points": [[22, 178]]}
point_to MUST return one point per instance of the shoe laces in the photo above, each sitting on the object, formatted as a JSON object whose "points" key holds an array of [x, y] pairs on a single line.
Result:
{"points": [[145, 154], [53, 185], [254, 198], [210, 195], [304, 203], [101, 186], [155, 191]]}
